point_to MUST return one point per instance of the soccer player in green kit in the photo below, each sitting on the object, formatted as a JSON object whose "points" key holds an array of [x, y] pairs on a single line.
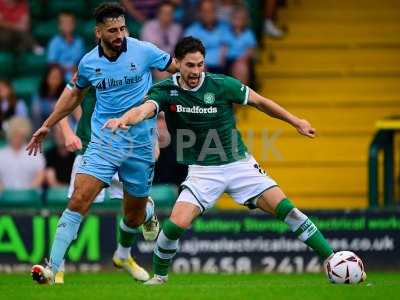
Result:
{"points": [[199, 113]]}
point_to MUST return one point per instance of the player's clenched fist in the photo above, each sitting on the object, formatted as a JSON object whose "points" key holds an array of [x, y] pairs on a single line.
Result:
{"points": [[72, 142], [305, 128]]}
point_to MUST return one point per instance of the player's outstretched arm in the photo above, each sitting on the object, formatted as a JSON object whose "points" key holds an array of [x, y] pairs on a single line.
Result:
{"points": [[274, 110], [66, 104], [132, 117]]}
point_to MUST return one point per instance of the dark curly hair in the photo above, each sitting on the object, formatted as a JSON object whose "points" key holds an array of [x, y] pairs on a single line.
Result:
{"points": [[108, 10], [187, 45]]}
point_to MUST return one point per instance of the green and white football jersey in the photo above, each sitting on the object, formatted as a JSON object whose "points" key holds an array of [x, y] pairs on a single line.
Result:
{"points": [[201, 120]]}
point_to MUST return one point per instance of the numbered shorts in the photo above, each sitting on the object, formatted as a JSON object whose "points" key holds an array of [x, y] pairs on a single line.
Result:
{"points": [[135, 167], [115, 190], [244, 180]]}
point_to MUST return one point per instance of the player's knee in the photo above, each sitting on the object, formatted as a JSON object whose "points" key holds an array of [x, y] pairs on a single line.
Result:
{"points": [[133, 220], [79, 203], [180, 222]]}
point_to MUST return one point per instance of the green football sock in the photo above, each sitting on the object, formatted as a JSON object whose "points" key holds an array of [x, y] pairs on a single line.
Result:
{"points": [[127, 235], [166, 248], [304, 228]]}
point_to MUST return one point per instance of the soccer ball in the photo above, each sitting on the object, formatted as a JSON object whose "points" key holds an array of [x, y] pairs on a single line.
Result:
{"points": [[41, 275], [345, 267]]}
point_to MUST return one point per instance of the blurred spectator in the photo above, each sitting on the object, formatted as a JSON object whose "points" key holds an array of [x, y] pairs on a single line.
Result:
{"points": [[15, 27], [141, 10], [241, 42], [10, 106], [270, 27], [162, 32], [187, 12], [179, 10], [59, 162], [66, 48], [51, 87], [225, 9], [18, 170], [213, 35]]}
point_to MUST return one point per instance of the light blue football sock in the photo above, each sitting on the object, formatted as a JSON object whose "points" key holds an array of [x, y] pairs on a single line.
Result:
{"points": [[149, 211], [67, 230]]}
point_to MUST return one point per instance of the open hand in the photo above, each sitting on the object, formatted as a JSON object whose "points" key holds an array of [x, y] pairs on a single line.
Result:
{"points": [[115, 124], [35, 143]]}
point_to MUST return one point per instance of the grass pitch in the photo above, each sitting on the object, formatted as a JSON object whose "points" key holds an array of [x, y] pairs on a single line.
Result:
{"points": [[119, 286]]}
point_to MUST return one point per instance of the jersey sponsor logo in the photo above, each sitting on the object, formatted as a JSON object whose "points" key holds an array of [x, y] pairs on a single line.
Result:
{"points": [[107, 83], [173, 93], [101, 85], [194, 109], [133, 67], [209, 98]]}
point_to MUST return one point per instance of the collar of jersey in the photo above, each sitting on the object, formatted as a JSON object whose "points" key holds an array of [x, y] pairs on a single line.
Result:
{"points": [[114, 58], [175, 80]]}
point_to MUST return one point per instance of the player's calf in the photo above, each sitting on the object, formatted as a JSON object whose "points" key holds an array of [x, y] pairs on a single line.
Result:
{"points": [[165, 250], [303, 228], [67, 230]]}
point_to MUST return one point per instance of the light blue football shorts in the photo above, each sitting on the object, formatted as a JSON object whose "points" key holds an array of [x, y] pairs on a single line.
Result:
{"points": [[135, 166]]}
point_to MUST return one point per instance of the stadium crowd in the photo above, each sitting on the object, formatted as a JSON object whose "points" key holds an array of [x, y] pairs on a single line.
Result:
{"points": [[42, 42]]}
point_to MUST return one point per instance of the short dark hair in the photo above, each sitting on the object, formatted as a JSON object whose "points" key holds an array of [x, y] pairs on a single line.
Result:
{"points": [[187, 45], [67, 13], [108, 10], [165, 3]]}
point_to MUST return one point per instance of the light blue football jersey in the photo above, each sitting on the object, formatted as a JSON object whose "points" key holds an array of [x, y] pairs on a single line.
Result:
{"points": [[121, 84]]}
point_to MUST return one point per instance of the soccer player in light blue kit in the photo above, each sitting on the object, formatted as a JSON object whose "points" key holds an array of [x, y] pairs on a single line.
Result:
{"points": [[119, 68]]}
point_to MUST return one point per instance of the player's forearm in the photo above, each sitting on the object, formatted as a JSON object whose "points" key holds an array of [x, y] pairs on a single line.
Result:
{"points": [[65, 105], [272, 109], [276, 111], [64, 126], [77, 113], [134, 116], [138, 114]]}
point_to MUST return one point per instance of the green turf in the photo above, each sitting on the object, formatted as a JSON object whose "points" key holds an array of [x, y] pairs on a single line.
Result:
{"points": [[120, 286]]}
